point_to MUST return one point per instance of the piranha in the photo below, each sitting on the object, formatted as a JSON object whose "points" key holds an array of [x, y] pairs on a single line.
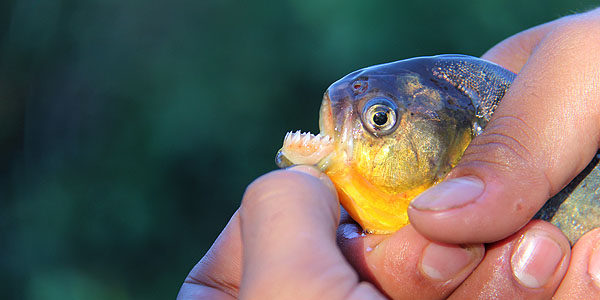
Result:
{"points": [[390, 131]]}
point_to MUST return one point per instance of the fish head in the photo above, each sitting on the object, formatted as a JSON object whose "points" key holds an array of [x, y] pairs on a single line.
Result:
{"points": [[388, 132]]}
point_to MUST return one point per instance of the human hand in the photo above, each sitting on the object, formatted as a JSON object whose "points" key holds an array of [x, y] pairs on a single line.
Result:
{"points": [[281, 244]]}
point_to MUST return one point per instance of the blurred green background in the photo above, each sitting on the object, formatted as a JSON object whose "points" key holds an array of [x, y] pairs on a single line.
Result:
{"points": [[129, 129]]}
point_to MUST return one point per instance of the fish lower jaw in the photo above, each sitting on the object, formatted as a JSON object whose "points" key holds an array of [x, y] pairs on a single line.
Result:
{"points": [[305, 148]]}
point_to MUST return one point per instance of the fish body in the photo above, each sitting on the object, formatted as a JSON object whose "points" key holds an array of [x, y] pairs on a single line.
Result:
{"points": [[390, 131]]}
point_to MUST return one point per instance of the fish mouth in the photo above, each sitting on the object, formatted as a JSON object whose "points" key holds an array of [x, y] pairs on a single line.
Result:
{"points": [[305, 148]]}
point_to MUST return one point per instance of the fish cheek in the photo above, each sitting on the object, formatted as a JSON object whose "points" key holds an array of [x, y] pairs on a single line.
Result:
{"points": [[452, 136], [429, 143], [432, 148], [395, 164]]}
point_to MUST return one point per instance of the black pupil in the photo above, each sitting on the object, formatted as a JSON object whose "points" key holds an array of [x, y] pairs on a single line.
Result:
{"points": [[380, 118]]}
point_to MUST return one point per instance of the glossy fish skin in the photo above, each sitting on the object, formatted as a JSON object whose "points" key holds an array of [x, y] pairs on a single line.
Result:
{"points": [[398, 128]]}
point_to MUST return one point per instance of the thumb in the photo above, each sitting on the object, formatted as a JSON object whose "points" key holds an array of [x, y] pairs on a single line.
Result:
{"points": [[544, 132]]}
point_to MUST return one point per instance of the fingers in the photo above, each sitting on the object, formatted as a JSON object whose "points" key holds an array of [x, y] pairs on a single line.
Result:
{"points": [[405, 265], [542, 135], [527, 265], [583, 277], [219, 272], [289, 219]]}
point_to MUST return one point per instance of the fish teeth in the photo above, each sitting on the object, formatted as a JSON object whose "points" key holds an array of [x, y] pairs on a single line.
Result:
{"points": [[305, 148], [296, 137], [306, 139]]}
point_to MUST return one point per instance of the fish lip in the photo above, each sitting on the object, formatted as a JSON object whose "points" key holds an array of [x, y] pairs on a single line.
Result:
{"points": [[334, 143], [309, 149], [341, 130], [326, 120], [346, 135]]}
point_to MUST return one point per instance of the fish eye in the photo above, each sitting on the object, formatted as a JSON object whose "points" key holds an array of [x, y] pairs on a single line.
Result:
{"points": [[379, 116]]}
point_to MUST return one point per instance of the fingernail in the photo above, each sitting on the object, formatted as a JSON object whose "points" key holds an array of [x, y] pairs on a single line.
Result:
{"points": [[444, 262], [349, 231], [450, 193], [315, 173], [535, 259], [310, 170], [594, 265]]}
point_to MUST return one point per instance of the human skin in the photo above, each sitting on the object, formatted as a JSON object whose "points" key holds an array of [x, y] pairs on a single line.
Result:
{"points": [[289, 240]]}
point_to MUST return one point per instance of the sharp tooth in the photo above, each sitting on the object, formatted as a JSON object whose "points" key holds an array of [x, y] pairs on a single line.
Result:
{"points": [[306, 139]]}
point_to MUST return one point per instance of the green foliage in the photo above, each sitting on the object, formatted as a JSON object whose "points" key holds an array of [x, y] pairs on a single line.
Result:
{"points": [[129, 129]]}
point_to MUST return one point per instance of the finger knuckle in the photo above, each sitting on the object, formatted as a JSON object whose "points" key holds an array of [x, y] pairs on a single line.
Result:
{"points": [[507, 141], [590, 237], [508, 146], [576, 33]]}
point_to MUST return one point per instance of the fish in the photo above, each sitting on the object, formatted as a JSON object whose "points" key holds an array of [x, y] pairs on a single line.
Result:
{"points": [[389, 132]]}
